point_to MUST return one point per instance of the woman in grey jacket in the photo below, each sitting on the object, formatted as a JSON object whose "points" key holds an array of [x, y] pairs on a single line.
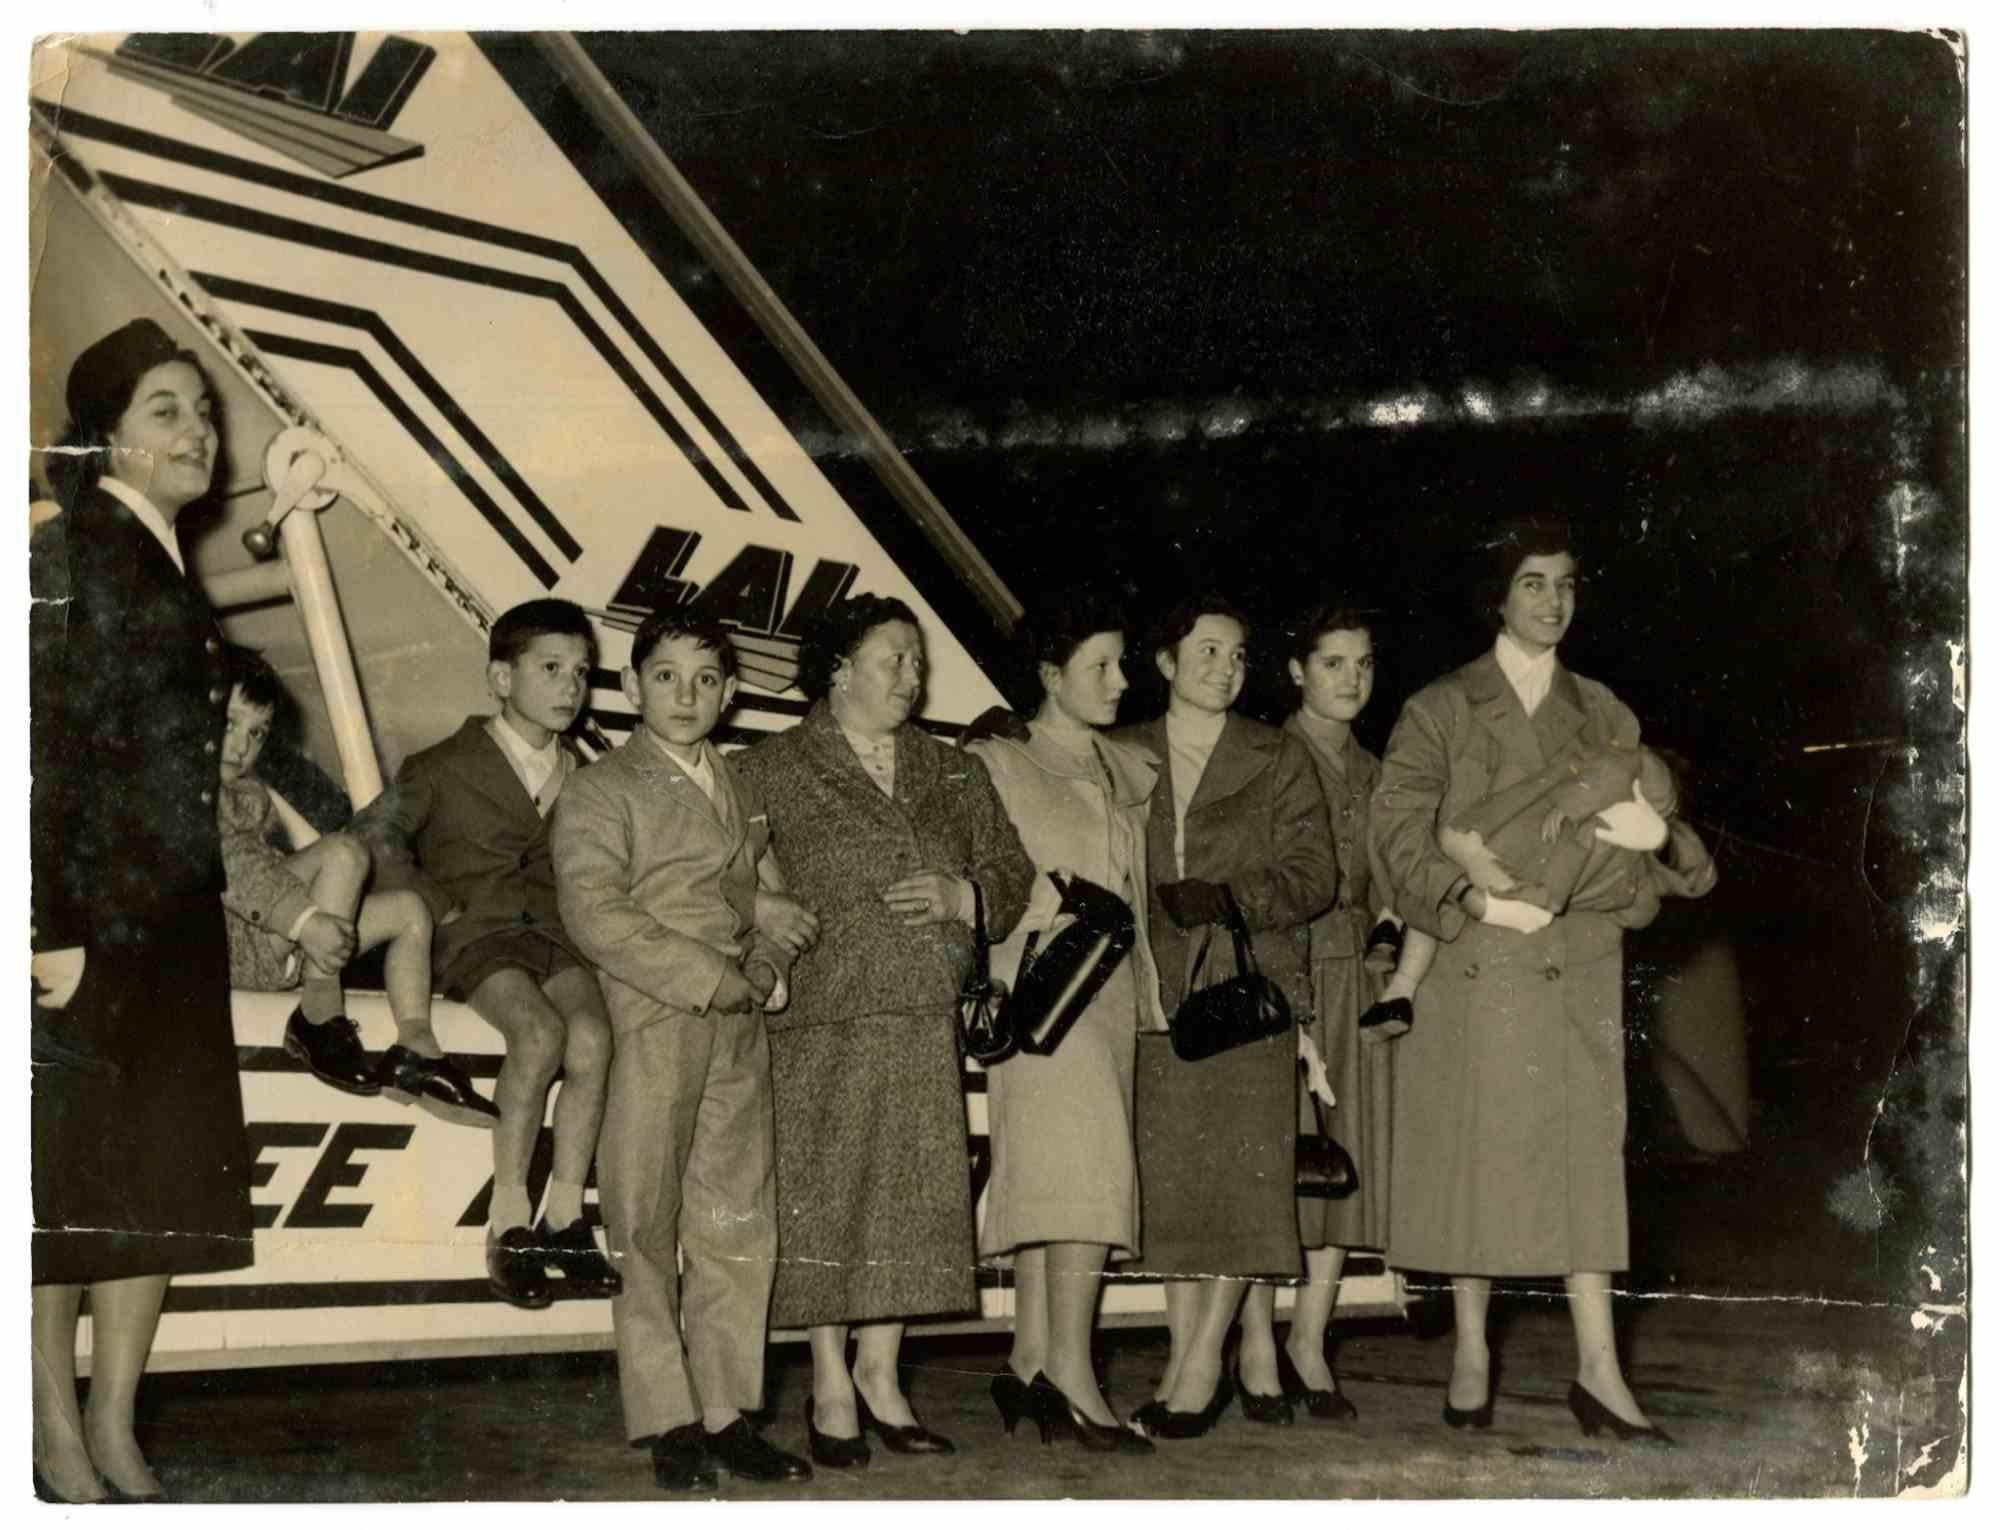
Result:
{"points": [[883, 833]]}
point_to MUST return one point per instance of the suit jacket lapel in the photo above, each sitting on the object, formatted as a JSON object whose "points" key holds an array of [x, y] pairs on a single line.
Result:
{"points": [[844, 773], [1561, 715], [1237, 760], [1500, 712], [487, 766]]}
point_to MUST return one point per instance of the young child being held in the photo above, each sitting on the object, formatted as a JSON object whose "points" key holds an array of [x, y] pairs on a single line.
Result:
{"points": [[658, 849], [296, 917], [466, 825], [1528, 849]]}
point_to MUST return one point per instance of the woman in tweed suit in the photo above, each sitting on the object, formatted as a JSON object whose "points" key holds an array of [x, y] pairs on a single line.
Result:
{"points": [[882, 832]]}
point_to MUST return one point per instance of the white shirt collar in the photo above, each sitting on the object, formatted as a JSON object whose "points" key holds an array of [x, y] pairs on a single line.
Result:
{"points": [[1529, 674], [698, 770], [148, 514]]}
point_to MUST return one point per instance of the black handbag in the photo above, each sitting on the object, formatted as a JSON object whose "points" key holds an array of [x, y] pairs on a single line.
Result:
{"points": [[1248, 1007], [1056, 984], [1324, 1171], [983, 1018]]}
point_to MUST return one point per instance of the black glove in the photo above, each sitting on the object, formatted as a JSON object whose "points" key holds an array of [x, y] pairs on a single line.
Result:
{"points": [[994, 722], [1192, 902]]}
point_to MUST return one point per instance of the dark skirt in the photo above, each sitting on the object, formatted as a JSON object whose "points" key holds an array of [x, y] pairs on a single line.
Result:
{"points": [[874, 1177], [141, 1165], [1216, 1142]]}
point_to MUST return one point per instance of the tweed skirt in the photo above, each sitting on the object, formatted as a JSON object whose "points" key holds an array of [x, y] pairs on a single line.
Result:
{"points": [[1217, 1140], [874, 1176]]}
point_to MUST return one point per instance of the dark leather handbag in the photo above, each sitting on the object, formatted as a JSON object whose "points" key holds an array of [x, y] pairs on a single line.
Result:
{"points": [[1056, 984], [1325, 1172], [1238, 1010], [984, 1020]]}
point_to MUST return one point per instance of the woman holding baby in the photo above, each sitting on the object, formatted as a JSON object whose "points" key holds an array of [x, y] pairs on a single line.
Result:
{"points": [[1508, 1155]]}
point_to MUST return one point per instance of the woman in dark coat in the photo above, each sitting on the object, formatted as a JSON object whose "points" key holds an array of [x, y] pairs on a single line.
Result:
{"points": [[1510, 1087], [1333, 665], [140, 1160], [1237, 806], [882, 832]]}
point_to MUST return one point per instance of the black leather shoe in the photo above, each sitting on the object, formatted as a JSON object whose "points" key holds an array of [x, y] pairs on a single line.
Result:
{"points": [[1386, 1019], [1480, 1417], [574, 1252], [514, 1269], [680, 1461], [1385, 947], [1055, 1412], [435, 1084], [1591, 1416], [332, 1052], [742, 1452], [835, 1450], [1016, 1400], [1260, 1408], [1319, 1404], [902, 1439], [1160, 1422]]}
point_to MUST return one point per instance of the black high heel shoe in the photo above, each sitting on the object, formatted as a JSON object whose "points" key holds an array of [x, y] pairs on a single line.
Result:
{"points": [[1319, 1403], [1016, 1400], [1263, 1407], [1054, 1411], [902, 1439], [1591, 1416], [1386, 1019], [834, 1450], [1480, 1417], [1162, 1423]]}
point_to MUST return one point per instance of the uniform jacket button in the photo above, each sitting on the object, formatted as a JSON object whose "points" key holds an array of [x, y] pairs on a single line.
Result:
{"points": [[208, 797], [1473, 970], [217, 694], [212, 644], [209, 747], [1552, 972]]}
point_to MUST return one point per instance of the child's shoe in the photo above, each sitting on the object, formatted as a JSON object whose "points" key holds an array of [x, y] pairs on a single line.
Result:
{"points": [[332, 1051], [574, 1252], [514, 1269], [435, 1084], [1386, 1019]]}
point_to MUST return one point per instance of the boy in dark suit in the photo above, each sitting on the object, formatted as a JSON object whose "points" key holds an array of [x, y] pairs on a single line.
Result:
{"points": [[473, 812], [657, 849]]}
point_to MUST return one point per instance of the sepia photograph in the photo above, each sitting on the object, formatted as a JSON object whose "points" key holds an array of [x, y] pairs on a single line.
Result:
{"points": [[997, 764]]}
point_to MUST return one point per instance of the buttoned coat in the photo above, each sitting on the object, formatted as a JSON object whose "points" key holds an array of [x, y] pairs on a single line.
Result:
{"points": [[657, 884], [141, 1164], [459, 828], [1216, 1138], [1258, 822], [841, 841], [1510, 1088]]}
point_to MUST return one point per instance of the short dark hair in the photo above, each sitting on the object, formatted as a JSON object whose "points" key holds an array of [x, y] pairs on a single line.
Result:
{"points": [[1334, 616], [548, 617], [1058, 625], [1533, 534], [671, 622], [839, 630], [102, 380], [250, 672], [1180, 621]]}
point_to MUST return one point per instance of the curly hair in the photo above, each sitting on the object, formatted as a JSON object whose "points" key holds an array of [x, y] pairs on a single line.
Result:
{"points": [[838, 631], [1058, 626]]}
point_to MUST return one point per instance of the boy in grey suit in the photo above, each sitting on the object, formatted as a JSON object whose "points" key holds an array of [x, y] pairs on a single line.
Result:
{"points": [[657, 849]]}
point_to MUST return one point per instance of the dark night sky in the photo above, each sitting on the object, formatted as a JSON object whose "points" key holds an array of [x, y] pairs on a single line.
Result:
{"points": [[1126, 300]]}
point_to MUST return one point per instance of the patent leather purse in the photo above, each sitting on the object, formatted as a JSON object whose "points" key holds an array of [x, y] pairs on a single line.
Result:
{"points": [[984, 1021], [1056, 983], [1324, 1171], [1234, 1012]]}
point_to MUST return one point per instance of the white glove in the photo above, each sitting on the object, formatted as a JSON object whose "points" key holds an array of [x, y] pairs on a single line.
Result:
{"points": [[1634, 825], [1512, 914], [57, 973], [1316, 1080]]}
